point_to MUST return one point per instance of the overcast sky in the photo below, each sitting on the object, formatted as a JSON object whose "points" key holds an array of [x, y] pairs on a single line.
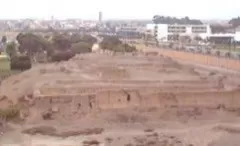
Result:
{"points": [[119, 9]]}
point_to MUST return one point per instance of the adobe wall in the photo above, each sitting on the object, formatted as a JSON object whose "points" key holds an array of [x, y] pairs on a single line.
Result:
{"points": [[202, 59]]}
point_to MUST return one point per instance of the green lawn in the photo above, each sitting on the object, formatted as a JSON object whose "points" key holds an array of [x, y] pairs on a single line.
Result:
{"points": [[5, 69], [4, 62], [228, 48], [4, 65], [6, 73]]}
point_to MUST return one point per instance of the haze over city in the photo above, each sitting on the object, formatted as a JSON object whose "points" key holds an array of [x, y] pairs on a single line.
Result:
{"points": [[124, 9]]}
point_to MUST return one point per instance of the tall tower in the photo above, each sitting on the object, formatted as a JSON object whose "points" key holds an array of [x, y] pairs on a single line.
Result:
{"points": [[100, 17]]}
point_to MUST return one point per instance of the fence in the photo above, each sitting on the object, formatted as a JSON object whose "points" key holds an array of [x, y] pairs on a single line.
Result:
{"points": [[202, 59]]}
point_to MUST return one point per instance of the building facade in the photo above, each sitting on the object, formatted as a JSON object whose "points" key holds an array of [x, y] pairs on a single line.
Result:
{"points": [[129, 32], [164, 32]]}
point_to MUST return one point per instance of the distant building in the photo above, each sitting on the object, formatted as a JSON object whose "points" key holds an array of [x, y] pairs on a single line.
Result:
{"points": [[237, 34], [129, 32], [100, 17], [164, 32], [222, 38], [150, 29]]}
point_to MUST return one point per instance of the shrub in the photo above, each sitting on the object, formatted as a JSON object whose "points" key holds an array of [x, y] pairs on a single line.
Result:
{"points": [[123, 48], [81, 47], [111, 40], [20, 63], [61, 42], [91, 142], [76, 38], [11, 49], [130, 48], [89, 39], [148, 130], [44, 130], [62, 56], [228, 54], [112, 43], [10, 113], [208, 52]]}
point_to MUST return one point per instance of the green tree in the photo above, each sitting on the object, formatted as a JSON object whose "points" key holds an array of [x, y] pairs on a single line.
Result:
{"points": [[4, 39], [173, 20], [11, 49], [235, 22], [61, 42], [76, 38], [81, 47], [30, 44], [114, 44]]}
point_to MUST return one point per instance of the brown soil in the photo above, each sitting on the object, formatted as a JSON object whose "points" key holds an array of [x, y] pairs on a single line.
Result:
{"points": [[196, 58]]}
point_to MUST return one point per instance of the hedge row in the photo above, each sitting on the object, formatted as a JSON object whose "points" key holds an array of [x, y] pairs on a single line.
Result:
{"points": [[20, 63], [81, 47], [62, 55]]}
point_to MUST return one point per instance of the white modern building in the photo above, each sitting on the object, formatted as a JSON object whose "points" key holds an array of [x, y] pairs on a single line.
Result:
{"points": [[163, 32]]}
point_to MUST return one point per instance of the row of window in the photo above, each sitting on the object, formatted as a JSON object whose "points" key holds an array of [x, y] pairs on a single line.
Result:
{"points": [[177, 31], [183, 29], [199, 31], [176, 27], [199, 27]]}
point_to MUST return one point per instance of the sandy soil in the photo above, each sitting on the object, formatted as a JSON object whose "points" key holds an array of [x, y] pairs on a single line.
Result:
{"points": [[136, 99]]}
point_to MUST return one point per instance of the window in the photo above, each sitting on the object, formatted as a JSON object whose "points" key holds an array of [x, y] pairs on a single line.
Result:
{"points": [[199, 29], [177, 29]]}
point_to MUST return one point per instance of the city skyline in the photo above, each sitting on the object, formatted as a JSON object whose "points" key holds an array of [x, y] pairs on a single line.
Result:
{"points": [[124, 9]]}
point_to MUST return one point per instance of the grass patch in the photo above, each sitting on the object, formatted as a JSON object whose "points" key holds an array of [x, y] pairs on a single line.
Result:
{"points": [[4, 63], [7, 73], [228, 48]]}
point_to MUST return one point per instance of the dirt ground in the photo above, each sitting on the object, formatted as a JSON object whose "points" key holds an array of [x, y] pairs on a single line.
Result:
{"points": [[196, 58], [139, 99]]}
